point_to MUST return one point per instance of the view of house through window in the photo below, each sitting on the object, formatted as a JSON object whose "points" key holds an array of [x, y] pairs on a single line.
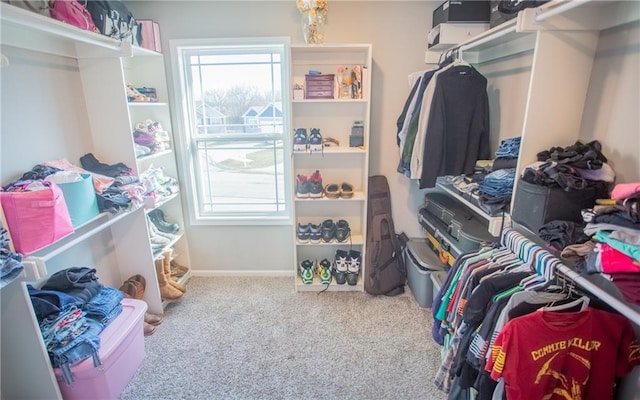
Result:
{"points": [[234, 111]]}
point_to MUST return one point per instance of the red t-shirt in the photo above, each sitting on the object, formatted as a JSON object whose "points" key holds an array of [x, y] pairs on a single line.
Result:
{"points": [[564, 355]]}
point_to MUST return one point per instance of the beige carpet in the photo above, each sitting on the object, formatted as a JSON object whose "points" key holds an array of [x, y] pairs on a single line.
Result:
{"points": [[256, 338]]}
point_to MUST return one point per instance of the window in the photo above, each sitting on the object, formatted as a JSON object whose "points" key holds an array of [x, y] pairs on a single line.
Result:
{"points": [[235, 134]]}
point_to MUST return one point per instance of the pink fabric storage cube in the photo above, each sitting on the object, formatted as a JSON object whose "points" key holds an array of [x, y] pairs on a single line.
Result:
{"points": [[150, 35], [121, 353], [35, 219]]}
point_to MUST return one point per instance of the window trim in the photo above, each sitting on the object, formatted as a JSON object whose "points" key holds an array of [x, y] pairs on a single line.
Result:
{"points": [[182, 144]]}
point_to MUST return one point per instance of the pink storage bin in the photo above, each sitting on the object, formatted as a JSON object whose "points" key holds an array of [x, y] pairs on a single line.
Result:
{"points": [[121, 353]]}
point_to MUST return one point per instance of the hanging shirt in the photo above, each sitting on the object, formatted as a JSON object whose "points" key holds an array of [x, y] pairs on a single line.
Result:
{"points": [[564, 355], [458, 129]]}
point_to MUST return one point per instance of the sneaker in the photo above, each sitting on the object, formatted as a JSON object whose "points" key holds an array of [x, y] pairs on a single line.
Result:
{"points": [[328, 230], [306, 272], [324, 271], [302, 186], [300, 140], [303, 232], [315, 140], [340, 266], [316, 190], [315, 233], [343, 232], [353, 267]]}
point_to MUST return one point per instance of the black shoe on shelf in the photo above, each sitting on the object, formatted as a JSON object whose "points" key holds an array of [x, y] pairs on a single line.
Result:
{"points": [[157, 218]]}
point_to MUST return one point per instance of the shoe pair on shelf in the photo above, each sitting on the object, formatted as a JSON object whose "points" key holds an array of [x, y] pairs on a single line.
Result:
{"points": [[159, 239], [335, 191], [308, 269], [340, 231], [309, 233], [346, 267], [134, 96], [309, 187], [133, 288], [157, 217], [303, 142], [170, 289]]}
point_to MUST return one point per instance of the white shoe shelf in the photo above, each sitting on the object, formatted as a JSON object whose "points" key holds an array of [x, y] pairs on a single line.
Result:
{"points": [[336, 163]]}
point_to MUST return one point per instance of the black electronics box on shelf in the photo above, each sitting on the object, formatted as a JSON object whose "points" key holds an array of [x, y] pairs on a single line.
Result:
{"points": [[461, 11], [535, 205]]}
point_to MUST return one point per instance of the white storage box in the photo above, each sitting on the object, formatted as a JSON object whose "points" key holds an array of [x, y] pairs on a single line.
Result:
{"points": [[421, 262]]}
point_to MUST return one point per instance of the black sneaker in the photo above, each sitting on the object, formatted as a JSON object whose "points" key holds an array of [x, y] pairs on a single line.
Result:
{"points": [[328, 230], [343, 232], [302, 187], [315, 140], [315, 233], [316, 190], [304, 232], [300, 140], [353, 267], [340, 266]]}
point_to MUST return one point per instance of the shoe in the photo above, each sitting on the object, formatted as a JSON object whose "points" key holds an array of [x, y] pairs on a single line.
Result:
{"points": [[149, 329], [153, 319], [343, 232], [303, 232], [157, 217], [136, 97], [167, 291], [315, 140], [315, 233], [340, 267], [300, 140], [353, 267], [315, 185], [177, 270], [306, 272], [166, 259], [332, 191], [328, 230], [346, 190], [157, 235], [302, 187], [130, 290], [324, 271]]}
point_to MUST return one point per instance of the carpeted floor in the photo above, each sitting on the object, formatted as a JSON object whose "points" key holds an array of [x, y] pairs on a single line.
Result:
{"points": [[256, 338]]}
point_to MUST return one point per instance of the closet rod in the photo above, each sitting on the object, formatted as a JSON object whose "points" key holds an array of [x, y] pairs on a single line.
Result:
{"points": [[477, 42], [618, 305], [564, 6]]}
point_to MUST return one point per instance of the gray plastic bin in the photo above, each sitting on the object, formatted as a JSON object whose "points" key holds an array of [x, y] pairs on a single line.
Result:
{"points": [[421, 261]]}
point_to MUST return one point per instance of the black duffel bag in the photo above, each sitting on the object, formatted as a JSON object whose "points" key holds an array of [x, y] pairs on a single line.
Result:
{"points": [[112, 18]]}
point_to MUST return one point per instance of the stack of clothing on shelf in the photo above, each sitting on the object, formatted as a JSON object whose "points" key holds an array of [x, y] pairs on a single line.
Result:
{"points": [[507, 323], [149, 137], [574, 167], [72, 308], [613, 248], [10, 262], [158, 185], [496, 188]]}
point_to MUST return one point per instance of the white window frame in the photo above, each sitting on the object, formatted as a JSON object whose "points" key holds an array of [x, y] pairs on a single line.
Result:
{"points": [[186, 151]]}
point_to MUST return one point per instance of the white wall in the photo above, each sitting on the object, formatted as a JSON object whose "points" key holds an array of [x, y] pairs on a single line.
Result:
{"points": [[397, 31]]}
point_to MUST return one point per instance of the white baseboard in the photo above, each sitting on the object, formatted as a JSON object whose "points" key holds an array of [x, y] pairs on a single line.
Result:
{"points": [[206, 273]]}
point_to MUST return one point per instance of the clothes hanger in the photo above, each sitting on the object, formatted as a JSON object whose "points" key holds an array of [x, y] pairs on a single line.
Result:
{"points": [[583, 302]]}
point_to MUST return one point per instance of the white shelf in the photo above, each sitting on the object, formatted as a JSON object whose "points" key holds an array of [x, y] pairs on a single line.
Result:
{"points": [[154, 155], [357, 196], [176, 239], [29, 30], [316, 286], [356, 240], [330, 150], [329, 101], [142, 104]]}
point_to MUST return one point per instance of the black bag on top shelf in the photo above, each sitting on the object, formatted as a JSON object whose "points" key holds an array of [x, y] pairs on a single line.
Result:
{"points": [[112, 18]]}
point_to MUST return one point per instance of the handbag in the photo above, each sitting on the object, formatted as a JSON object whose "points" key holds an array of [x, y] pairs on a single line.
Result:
{"points": [[36, 219], [73, 13]]}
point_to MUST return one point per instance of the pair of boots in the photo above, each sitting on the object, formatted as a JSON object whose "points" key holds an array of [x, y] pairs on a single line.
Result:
{"points": [[133, 288], [169, 288]]}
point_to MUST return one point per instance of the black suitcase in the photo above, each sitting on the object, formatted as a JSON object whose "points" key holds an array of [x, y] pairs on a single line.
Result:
{"points": [[451, 228]]}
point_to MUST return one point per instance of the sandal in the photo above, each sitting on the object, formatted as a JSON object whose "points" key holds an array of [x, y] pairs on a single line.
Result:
{"points": [[332, 191], [346, 190]]}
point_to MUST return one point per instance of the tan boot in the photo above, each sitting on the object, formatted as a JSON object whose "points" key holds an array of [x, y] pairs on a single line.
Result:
{"points": [[167, 272], [177, 270], [167, 291]]}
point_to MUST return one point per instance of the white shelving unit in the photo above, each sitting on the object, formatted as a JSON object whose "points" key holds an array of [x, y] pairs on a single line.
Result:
{"points": [[118, 246], [146, 69], [337, 164]]}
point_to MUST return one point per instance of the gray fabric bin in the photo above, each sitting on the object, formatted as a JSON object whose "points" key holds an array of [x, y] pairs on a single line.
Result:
{"points": [[421, 261]]}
